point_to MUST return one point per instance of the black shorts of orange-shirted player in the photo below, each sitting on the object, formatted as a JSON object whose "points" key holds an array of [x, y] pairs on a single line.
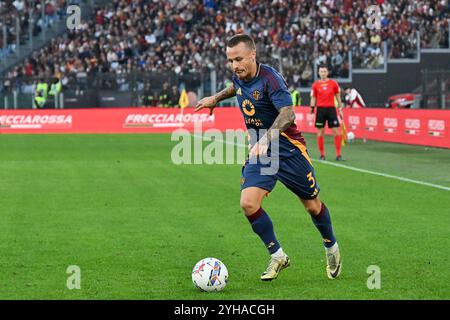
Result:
{"points": [[263, 96]]}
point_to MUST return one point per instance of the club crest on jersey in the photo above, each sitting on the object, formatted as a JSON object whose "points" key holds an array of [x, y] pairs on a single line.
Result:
{"points": [[256, 95], [248, 108]]}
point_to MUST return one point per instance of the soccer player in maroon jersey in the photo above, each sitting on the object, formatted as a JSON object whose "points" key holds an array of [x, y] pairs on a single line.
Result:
{"points": [[323, 94]]}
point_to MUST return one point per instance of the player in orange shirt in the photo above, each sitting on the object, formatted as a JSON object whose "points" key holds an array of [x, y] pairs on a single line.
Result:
{"points": [[323, 94]]}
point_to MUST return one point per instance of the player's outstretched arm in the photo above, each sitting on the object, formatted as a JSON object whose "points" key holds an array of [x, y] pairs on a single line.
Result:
{"points": [[212, 101]]}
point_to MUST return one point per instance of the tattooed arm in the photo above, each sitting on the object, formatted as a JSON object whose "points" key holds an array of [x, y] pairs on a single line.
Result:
{"points": [[284, 120], [212, 101], [225, 94]]}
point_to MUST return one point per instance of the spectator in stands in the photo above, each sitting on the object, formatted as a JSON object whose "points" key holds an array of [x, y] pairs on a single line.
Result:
{"points": [[163, 100], [22, 12], [148, 97], [189, 36], [174, 97]]}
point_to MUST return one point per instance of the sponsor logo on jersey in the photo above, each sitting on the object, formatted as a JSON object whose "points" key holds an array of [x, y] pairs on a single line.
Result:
{"points": [[248, 108]]}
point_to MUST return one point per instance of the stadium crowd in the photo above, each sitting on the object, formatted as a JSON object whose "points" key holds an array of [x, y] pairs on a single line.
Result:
{"points": [[184, 36], [26, 12]]}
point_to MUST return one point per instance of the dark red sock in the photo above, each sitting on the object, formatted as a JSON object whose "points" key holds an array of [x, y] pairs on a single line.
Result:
{"points": [[321, 144], [337, 144], [255, 215]]}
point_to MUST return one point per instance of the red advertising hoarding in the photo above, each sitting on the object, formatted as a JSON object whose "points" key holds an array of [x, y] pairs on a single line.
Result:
{"points": [[421, 127]]}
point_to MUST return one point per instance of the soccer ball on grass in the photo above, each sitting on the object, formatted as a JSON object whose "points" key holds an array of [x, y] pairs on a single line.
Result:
{"points": [[210, 274], [350, 137]]}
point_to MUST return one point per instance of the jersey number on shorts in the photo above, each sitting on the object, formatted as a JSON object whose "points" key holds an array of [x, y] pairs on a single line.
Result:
{"points": [[311, 178]]}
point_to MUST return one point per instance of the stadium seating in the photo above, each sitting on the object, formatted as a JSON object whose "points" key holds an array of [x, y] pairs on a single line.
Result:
{"points": [[183, 36], [27, 12]]}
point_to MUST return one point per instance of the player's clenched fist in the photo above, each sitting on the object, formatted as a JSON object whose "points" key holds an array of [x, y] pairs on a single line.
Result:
{"points": [[207, 102]]}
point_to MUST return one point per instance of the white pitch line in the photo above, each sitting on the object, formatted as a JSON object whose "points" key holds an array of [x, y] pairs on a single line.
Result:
{"points": [[428, 184], [384, 175]]}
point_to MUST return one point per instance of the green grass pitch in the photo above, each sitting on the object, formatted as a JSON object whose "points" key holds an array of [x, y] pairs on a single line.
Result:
{"points": [[136, 224]]}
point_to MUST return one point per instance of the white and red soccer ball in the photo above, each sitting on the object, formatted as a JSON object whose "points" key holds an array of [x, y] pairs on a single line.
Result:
{"points": [[210, 274]]}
